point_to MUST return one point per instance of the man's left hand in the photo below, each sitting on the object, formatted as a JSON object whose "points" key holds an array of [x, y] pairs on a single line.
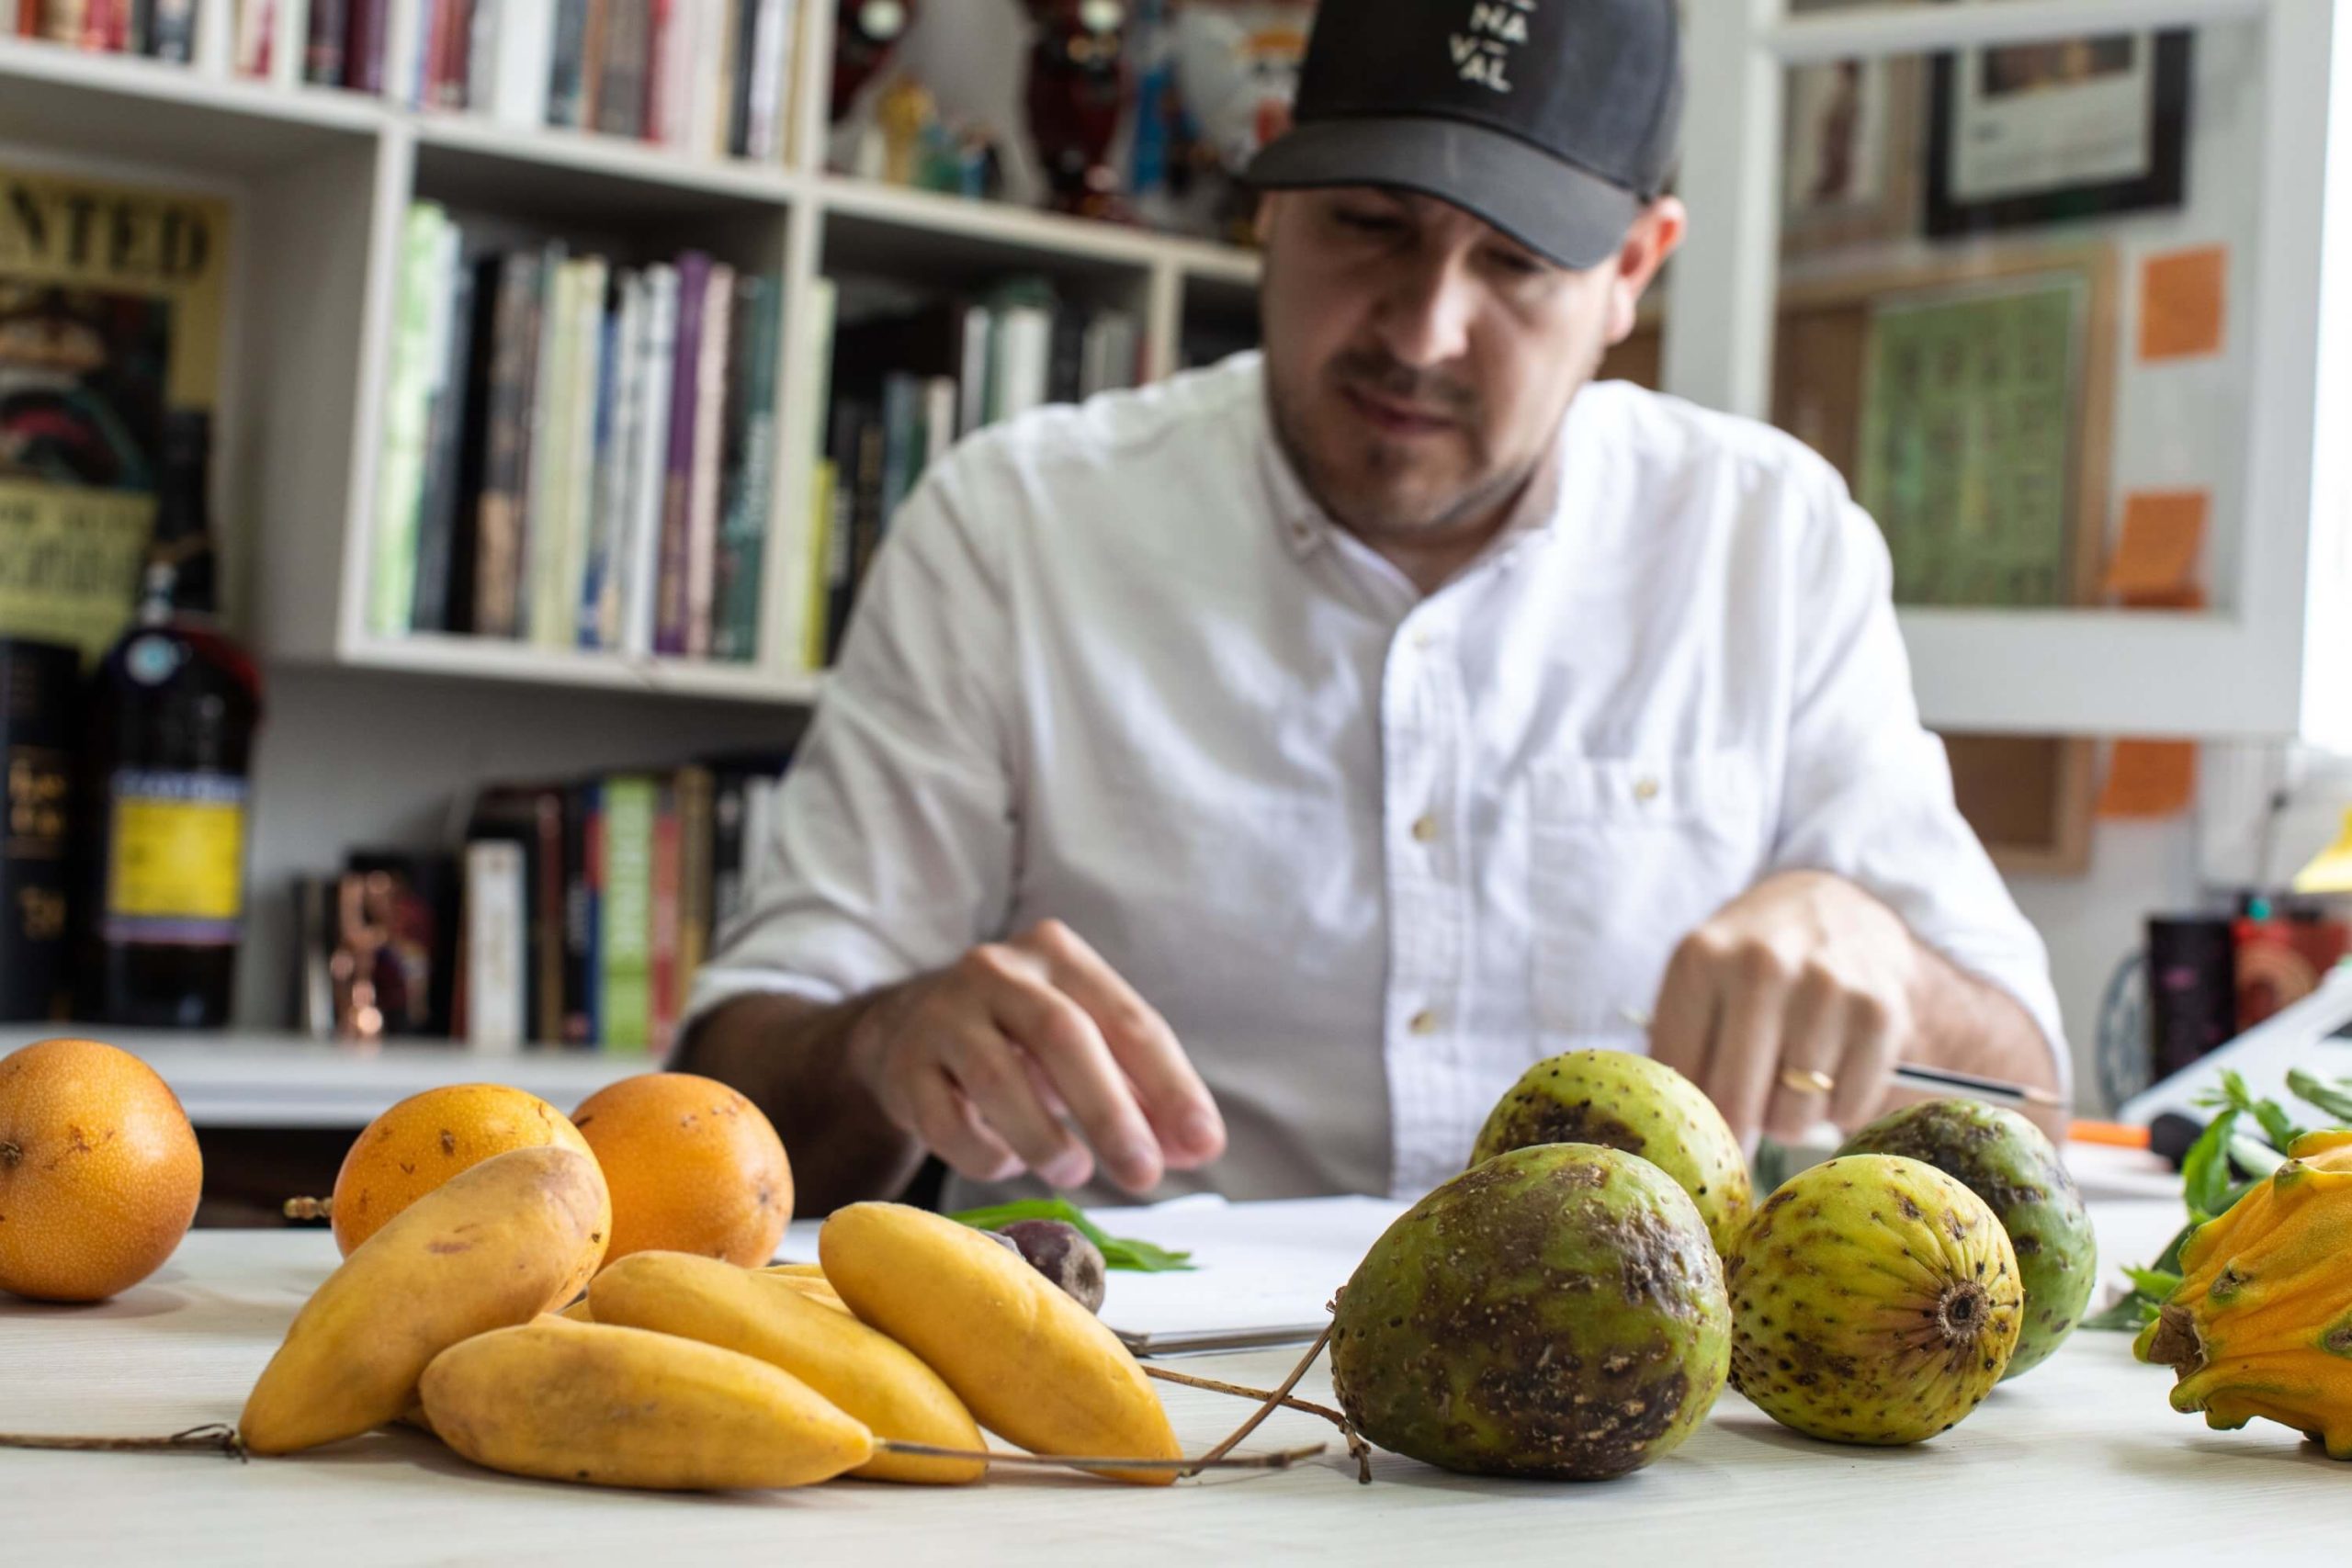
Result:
{"points": [[1791, 1006]]}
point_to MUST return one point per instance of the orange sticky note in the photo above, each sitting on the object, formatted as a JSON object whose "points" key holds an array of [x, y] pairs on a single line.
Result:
{"points": [[2183, 303], [2163, 532], [2149, 778]]}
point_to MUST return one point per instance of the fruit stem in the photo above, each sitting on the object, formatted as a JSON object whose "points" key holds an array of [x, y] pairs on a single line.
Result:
{"points": [[1281, 1459], [2176, 1344], [1266, 1409], [216, 1437], [11, 1154], [1357, 1447]]}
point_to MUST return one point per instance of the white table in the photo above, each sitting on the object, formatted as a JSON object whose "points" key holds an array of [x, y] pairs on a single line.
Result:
{"points": [[2080, 1462], [263, 1079]]}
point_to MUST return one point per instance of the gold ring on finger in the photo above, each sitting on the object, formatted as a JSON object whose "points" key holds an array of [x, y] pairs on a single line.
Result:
{"points": [[1807, 1080]]}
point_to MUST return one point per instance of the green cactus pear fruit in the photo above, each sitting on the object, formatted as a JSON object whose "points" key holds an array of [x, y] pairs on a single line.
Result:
{"points": [[1557, 1311], [1873, 1300], [1623, 1101], [2003, 1160]]}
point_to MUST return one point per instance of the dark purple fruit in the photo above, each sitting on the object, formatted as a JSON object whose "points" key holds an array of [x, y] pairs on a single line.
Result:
{"points": [[1062, 1254]]}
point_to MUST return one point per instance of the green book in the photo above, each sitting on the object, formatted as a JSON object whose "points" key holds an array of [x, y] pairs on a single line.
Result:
{"points": [[625, 977], [399, 478]]}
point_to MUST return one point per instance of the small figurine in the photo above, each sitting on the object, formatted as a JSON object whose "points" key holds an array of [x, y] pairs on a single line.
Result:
{"points": [[1078, 92], [866, 34]]}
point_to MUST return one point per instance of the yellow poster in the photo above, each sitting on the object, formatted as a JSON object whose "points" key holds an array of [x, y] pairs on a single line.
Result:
{"points": [[111, 302]]}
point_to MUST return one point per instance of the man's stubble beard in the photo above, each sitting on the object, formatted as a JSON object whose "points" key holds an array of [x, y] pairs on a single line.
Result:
{"points": [[1375, 523]]}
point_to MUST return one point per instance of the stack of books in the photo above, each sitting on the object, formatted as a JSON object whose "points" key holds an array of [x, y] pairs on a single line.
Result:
{"points": [[710, 77], [905, 387], [576, 455], [599, 900]]}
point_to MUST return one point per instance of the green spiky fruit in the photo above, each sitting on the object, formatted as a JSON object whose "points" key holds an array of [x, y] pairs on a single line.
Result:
{"points": [[1623, 1101], [1875, 1300], [1556, 1312], [2003, 1160]]}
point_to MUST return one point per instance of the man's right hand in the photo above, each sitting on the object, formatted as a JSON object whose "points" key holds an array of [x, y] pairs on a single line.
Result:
{"points": [[989, 1062]]}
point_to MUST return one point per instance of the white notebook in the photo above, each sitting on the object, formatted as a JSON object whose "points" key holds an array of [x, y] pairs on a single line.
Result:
{"points": [[1263, 1274]]}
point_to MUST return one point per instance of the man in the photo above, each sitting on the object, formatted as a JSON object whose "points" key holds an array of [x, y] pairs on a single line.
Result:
{"points": [[1239, 782]]}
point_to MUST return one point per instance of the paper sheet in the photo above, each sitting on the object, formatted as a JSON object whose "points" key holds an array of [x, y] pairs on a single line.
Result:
{"points": [[2184, 304], [1262, 1272], [2149, 779], [2163, 531]]}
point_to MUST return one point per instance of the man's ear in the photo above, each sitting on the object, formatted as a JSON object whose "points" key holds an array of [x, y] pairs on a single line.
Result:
{"points": [[1655, 235], [1263, 225]]}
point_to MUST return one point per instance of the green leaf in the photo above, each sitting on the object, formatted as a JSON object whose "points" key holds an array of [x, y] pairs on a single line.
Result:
{"points": [[2205, 1174], [2259, 1160], [2313, 1090], [2169, 1260], [2276, 1125], [2128, 1315], [2154, 1282], [1118, 1252]]}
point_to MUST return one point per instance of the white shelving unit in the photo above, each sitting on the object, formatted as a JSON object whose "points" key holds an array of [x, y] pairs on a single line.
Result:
{"points": [[2269, 659], [322, 179]]}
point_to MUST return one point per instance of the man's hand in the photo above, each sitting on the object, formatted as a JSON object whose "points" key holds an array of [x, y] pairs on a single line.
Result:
{"points": [[991, 1060], [1792, 1005]]}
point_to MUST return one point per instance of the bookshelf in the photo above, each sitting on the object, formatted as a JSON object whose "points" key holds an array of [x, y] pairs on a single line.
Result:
{"points": [[371, 736], [322, 178]]}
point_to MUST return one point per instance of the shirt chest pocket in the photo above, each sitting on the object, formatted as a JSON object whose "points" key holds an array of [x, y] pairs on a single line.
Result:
{"points": [[1625, 858]]}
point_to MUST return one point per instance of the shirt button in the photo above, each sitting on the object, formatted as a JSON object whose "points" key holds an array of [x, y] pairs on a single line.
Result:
{"points": [[1423, 1023], [1424, 640], [1645, 790], [1426, 830]]}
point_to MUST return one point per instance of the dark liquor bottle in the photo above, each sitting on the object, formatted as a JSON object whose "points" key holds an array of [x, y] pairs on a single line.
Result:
{"points": [[40, 694], [173, 711]]}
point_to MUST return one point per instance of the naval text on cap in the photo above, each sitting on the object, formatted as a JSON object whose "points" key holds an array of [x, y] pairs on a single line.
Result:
{"points": [[1482, 53]]}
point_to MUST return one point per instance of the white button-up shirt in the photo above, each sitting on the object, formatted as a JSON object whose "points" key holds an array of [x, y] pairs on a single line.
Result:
{"points": [[1371, 853]]}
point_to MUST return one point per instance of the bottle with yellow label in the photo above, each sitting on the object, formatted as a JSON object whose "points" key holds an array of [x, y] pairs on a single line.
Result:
{"points": [[173, 708]]}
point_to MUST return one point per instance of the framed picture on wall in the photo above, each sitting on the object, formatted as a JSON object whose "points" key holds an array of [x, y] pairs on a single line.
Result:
{"points": [[1851, 159], [2024, 134]]}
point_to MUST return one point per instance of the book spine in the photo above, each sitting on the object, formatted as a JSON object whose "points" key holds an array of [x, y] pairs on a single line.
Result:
{"points": [[714, 79], [620, 93], [816, 599], [710, 429], [581, 878], [481, 91], [744, 38], [625, 920], [564, 63], [726, 850], [605, 443], [499, 532], [542, 431], [138, 27], [799, 530], [696, 830], [594, 38], [664, 922], [677, 493], [750, 472], [362, 46], [496, 946], [770, 93], [444, 433], [621, 444], [582, 454], [400, 472], [523, 56], [322, 53], [648, 483], [172, 35], [400, 70], [255, 24], [1066, 355]]}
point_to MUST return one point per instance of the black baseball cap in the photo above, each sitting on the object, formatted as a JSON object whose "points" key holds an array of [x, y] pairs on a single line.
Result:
{"points": [[1555, 122]]}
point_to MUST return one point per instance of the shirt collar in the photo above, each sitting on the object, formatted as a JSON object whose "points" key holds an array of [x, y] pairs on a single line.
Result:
{"points": [[1306, 527]]}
